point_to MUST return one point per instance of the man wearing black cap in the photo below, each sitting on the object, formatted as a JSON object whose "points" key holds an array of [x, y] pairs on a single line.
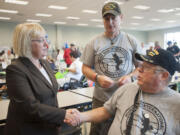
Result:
{"points": [[111, 55], [145, 107]]}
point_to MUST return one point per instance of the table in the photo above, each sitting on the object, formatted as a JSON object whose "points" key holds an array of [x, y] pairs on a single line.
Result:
{"points": [[66, 99], [87, 92], [3, 109], [3, 81], [70, 99]]}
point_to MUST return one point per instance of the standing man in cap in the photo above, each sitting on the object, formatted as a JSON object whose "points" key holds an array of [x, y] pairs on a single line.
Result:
{"points": [[111, 56], [145, 107]]}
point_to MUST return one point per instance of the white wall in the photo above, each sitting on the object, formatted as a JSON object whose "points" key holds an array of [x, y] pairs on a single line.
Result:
{"points": [[82, 35], [6, 31], [51, 31], [59, 34], [78, 35]]}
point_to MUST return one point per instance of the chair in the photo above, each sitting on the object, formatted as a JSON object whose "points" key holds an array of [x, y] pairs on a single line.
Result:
{"points": [[83, 82], [73, 83]]}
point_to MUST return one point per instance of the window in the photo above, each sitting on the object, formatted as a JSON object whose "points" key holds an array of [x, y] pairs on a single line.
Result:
{"points": [[174, 37]]}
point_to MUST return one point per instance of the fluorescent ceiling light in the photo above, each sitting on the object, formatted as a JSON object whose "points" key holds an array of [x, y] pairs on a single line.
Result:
{"points": [[171, 21], [44, 15], [20, 2], [9, 11], [155, 19], [135, 23], [141, 7], [177, 8], [178, 14], [60, 22], [120, 3], [31, 20], [165, 10], [73, 18], [168, 10], [57, 7], [137, 17], [101, 26], [5, 18], [96, 20], [82, 24], [89, 11]]}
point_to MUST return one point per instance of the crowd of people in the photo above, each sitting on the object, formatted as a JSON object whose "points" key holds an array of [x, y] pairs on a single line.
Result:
{"points": [[131, 94], [171, 47], [6, 56]]}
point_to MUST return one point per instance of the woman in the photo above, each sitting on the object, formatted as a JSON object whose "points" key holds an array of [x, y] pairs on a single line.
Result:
{"points": [[32, 88]]}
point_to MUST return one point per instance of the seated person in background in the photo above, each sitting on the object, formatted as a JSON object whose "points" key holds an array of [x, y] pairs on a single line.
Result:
{"points": [[173, 48], [2, 55], [5, 58], [51, 62], [75, 70], [72, 47], [3, 87], [156, 45], [147, 106], [143, 48], [149, 50], [60, 63]]}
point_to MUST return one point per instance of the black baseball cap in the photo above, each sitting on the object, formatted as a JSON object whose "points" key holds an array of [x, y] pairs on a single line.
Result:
{"points": [[111, 8], [162, 58]]}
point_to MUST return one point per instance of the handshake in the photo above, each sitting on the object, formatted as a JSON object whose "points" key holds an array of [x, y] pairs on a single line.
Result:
{"points": [[73, 117]]}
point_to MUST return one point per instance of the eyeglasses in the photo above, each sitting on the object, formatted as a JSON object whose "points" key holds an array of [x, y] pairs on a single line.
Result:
{"points": [[145, 68], [41, 40]]}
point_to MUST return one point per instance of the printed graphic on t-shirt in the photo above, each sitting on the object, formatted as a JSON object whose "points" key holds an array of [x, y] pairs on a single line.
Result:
{"points": [[114, 61], [147, 120]]}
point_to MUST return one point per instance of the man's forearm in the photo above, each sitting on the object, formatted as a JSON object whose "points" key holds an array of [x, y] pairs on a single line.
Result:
{"points": [[95, 115], [89, 73]]}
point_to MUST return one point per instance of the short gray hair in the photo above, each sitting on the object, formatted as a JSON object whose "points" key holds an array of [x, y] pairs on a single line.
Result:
{"points": [[164, 70], [22, 37]]}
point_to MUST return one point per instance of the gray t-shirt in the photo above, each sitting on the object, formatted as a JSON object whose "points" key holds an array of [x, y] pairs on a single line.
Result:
{"points": [[112, 60], [155, 114]]}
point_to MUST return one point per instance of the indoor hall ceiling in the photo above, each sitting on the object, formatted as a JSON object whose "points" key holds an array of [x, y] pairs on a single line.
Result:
{"points": [[134, 19]]}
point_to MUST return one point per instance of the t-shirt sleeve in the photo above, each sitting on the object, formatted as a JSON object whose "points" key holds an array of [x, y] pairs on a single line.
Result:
{"points": [[110, 105], [88, 55], [136, 47], [135, 44]]}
